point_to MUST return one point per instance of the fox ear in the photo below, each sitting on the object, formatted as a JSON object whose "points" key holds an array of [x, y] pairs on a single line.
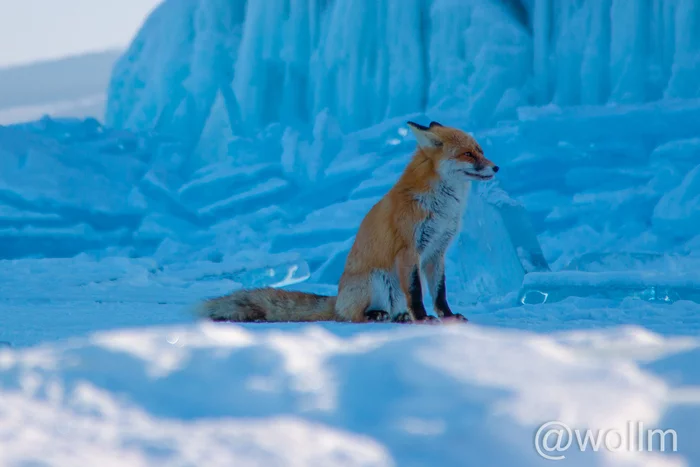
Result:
{"points": [[426, 138]]}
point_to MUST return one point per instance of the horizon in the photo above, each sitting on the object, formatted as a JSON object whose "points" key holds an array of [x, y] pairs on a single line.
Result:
{"points": [[111, 27]]}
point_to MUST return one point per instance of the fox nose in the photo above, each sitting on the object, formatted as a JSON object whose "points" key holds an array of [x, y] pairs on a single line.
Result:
{"points": [[495, 168]]}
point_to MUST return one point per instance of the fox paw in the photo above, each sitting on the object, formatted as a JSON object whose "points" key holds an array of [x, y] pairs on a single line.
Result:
{"points": [[406, 318], [428, 320], [377, 316], [455, 318], [402, 318]]}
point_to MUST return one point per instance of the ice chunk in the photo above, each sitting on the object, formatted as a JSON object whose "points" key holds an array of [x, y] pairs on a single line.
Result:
{"points": [[333, 223], [483, 263], [672, 161], [629, 260], [677, 215], [37, 171], [306, 161], [517, 223], [253, 199], [15, 217], [275, 275], [650, 286], [216, 182], [330, 271], [56, 242]]}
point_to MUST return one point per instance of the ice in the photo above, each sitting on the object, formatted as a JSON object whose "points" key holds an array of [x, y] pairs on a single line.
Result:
{"points": [[251, 200], [38, 172], [650, 286], [483, 263], [69, 185], [288, 67], [472, 57], [215, 182], [531, 220], [678, 212], [520, 230]]}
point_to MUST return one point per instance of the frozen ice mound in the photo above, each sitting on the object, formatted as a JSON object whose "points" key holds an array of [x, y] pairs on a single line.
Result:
{"points": [[341, 396], [677, 213], [291, 119], [496, 247], [290, 66], [215, 70], [651, 277], [616, 184], [67, 186], [558, 197], [650, 286], [215, 182]]}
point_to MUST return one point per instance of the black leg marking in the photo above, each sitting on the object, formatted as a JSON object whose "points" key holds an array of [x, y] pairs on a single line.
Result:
{"points": [[416, 292], [441, 306]]}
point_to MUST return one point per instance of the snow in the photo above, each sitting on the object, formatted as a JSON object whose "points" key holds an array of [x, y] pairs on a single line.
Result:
{"points": [[308, 396], [242, 147]]}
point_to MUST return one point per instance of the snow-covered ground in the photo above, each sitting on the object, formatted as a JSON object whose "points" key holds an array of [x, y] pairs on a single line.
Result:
{"points": [[346, 396], [579, 268]]}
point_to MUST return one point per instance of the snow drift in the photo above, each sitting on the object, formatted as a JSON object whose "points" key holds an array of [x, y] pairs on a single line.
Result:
{"points": [[453, 396]]}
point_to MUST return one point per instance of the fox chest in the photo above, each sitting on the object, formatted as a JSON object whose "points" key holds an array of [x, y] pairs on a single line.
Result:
{"points": [[444, 207]]}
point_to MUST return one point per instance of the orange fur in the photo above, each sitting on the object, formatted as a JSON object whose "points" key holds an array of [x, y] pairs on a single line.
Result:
{"points": [[387, 250]]}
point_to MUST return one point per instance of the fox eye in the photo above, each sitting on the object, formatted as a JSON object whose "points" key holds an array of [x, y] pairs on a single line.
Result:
{"points": [[468, 155]]}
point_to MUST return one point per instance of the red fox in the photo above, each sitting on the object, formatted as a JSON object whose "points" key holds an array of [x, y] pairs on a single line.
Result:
{"points": [[405, 234]]}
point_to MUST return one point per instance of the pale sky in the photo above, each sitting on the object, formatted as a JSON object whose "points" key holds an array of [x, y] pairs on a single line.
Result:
{"points": [[32, 30]]}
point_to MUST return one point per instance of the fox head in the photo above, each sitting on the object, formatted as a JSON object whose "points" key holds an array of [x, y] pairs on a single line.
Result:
{"points": [[456, 153]]}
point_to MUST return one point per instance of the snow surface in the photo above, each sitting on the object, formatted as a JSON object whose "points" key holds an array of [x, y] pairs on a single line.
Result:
{"points": [[230, 395], [243, 147]]}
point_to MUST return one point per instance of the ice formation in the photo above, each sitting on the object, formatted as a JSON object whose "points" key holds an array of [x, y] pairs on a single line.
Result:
{"points": [[231, 67]]}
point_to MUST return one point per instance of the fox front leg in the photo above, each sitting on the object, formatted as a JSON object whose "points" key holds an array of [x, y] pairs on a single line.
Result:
{"points": [[435, 273], [408, 268]]}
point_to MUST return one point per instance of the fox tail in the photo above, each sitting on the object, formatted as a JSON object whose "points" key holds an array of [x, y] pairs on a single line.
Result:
{"points": [[268, 304]]}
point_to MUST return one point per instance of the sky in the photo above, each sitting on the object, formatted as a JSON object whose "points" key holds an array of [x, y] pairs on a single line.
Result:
{"points": [[34, 30]]}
